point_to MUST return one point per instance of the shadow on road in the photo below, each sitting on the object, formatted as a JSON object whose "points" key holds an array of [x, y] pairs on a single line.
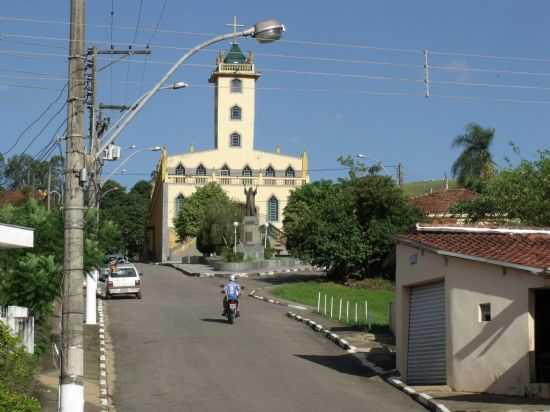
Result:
{"points": [[215, 320], [347, 364]]}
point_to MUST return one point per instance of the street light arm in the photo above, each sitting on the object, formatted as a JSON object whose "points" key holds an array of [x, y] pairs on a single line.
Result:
{"points": [[138, 105], [125, 161]]}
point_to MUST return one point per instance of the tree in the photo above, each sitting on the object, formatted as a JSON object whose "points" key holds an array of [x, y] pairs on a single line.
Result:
{"points": [[216, 232], [475, 164], [517, 194], [23, 171], [348, 227], [191, 216]]}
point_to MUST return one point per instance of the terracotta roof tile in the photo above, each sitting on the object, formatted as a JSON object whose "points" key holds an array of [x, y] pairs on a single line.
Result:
{"points": [[442, 201], [530, 249]]}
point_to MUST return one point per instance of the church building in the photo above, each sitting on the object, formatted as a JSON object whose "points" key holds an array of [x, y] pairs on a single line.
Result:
{"points": [[233, 162]]}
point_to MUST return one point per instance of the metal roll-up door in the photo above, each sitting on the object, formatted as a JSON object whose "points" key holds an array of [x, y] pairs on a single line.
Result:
{"points": [[427, 354]]}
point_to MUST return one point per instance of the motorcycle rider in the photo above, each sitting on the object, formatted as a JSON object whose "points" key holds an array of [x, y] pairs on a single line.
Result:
{"points": [[231, 291]]}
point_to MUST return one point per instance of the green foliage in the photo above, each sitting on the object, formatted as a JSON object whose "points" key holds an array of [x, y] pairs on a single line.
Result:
{"points": [[128, 211], [348, 227], [208, 214], [189, 221], [16, 373], [217, 231], [307, 293], [22, 170], [16, 402], [520, 194], [423, 187], [229, 256], [475, 164]]}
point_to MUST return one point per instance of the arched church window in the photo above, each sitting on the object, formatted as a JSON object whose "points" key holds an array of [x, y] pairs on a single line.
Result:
{"points": [[290, 172], [235, 140], [236, 113], [273, 209], [225, 171], [270, 172], [201, 170], [180, 199], [180, 170], [247, 171], [236, 86]]}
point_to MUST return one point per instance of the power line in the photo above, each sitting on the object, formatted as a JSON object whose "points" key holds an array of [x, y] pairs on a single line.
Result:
{"points": [[305, 42], [44, 128], [157, 25], [42, 114], [52, 142]]}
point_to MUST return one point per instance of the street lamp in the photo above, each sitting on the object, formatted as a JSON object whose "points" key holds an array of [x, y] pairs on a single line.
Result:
{"points": [[265, 31], [235, 225], [151, 149]]}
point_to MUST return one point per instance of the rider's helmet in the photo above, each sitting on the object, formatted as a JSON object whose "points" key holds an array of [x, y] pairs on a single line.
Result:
{"points": [[232, 278]]}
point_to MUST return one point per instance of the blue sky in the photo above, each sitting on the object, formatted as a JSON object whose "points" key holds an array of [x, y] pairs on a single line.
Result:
{"points": [[329, 99]]}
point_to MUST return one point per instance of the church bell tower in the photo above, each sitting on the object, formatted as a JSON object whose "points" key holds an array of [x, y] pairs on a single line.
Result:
{"points": [[234, 99]]}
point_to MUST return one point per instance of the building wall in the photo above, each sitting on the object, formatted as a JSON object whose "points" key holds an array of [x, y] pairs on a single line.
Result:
{"points": [[246, 101], [482, 356]]}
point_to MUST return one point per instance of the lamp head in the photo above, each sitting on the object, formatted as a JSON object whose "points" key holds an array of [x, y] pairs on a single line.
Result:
{"points": [[267, 31]]}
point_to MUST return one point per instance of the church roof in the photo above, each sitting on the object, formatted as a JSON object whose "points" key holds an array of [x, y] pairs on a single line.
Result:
{"points": [[235, 55]]}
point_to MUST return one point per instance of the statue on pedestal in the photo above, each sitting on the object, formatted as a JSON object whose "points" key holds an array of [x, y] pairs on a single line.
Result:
{"points": [[250, 201]]}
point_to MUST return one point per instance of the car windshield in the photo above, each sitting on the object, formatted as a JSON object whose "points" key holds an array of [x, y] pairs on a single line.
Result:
{"points": [[124, 273]]}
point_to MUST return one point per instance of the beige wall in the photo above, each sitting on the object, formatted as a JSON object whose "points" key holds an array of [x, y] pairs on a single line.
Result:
{"points": [[246, 101], [482, 356]]}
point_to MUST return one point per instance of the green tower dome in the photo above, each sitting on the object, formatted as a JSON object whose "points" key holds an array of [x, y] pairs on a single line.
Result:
{"points": [[235, 55]]}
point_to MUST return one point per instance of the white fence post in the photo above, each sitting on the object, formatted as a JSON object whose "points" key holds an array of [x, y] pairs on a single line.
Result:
{"points": [[325, 305], [366, 311], [319, 302], [91, 290], [347, 311], [340, 311], [355, 312], [331, 302]]}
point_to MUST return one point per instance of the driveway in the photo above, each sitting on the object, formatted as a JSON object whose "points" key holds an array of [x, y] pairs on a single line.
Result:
{"points": [[174, 352]]}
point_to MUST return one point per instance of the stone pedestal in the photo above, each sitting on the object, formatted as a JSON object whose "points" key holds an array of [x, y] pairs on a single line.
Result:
{"points": [[251, 239]]}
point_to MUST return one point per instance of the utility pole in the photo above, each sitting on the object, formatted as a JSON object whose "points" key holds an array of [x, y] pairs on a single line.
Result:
{"points": [[97, 126], [72, 358], [49, 183], [400, 176]]}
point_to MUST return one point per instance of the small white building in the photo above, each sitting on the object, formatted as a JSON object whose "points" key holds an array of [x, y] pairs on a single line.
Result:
{"points": [[17, 317], [473, 309]]}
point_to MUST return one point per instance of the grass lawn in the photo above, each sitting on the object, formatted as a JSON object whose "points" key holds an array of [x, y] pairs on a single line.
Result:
{"points": [[423, 187], [378, 300]]}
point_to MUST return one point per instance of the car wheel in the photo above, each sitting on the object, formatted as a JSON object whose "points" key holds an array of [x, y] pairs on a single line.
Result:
{"points": [[138, 295]]}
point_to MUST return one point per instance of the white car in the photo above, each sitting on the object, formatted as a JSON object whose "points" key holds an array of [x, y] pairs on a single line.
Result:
{"points": [[126, 280]]}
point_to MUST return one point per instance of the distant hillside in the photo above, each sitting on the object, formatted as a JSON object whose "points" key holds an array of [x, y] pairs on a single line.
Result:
{"points": [[423, 187]]}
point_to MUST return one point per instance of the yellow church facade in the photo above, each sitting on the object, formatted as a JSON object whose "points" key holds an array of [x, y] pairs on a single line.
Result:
{"points": [[233, 163]]}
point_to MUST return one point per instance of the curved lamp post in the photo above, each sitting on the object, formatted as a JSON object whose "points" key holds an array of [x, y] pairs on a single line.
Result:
{"points": [[265, 31], [151, 149]]}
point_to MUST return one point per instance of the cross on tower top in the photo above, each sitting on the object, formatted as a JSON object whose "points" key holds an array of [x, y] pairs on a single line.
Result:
{"points": [[235, 27]]}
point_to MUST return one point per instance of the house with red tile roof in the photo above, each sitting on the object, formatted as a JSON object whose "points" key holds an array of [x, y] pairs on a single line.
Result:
{"points": [[472, 308], [436, 205]]}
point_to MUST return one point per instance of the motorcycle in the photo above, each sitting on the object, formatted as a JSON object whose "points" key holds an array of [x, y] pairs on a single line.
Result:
{"points": [[231, 311]]}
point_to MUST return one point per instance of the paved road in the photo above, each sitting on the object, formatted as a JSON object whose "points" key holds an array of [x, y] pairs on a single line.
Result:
{"points": [[173, 352]]}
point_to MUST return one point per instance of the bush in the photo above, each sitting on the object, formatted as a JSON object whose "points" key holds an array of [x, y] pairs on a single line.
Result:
{"points": [[16, 402], [229, 256]]}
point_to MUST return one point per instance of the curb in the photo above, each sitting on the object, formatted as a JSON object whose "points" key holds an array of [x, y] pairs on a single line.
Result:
{"points": [[252, 294], [103, 387], [422, 398], [241, 274]]}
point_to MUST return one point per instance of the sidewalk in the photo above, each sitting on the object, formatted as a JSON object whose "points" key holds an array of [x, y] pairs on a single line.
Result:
{"points": [[380, 350], [48, 378], [199, 270]]}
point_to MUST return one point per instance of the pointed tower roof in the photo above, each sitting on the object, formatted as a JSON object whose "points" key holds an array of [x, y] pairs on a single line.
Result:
{"points": [[235, 55]]}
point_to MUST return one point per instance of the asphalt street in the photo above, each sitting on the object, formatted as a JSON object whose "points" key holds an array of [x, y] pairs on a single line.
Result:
{"points": [[174, 352]]}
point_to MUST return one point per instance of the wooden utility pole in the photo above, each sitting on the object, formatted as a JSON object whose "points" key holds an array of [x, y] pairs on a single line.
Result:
{"points": [[49, 184], [72, 361]]}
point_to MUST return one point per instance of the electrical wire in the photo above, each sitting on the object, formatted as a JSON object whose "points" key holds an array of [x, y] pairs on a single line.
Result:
{"points": [[44, 128], [42, 114], [53, 140], [155, 31], [138, 23]]}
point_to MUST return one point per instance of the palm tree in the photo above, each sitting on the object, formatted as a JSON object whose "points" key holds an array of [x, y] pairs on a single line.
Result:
{"points": [[475, 164]]}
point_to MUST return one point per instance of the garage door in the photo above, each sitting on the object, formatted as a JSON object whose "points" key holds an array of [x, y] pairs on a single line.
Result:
{"points": [[426, 363]]}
